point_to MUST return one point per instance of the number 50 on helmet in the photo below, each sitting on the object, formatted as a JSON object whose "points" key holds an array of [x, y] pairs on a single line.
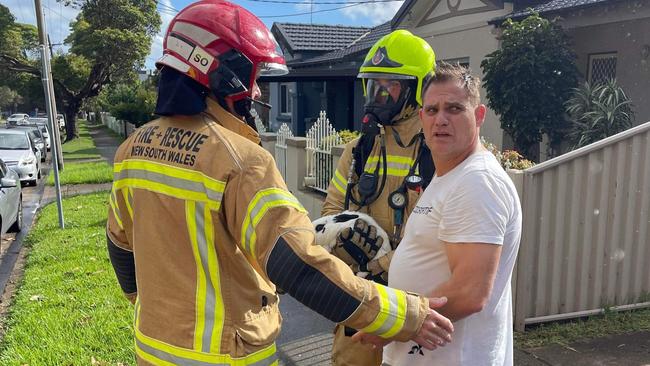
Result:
{"points": [[222, 46]]}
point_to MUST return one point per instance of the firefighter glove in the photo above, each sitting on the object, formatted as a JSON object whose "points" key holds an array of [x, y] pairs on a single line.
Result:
{"points": [[358, 244], [373, 270]]}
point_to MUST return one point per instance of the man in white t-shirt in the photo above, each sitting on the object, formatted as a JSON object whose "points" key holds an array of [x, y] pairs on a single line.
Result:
{"points": [[462, 238]]}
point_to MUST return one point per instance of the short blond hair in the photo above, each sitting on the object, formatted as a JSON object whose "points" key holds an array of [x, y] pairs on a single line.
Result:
{"points": [[445, 72]]}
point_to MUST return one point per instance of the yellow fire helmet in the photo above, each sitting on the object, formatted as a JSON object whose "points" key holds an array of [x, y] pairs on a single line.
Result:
{"points": [[399, 55]]}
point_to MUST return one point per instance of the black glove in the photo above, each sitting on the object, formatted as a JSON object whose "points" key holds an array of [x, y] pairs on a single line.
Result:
{"points": [[359, 244], [375, 271]]}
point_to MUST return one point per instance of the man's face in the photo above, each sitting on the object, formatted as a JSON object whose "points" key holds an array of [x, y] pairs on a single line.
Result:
{"points": [[449, 121], [384, 90]]}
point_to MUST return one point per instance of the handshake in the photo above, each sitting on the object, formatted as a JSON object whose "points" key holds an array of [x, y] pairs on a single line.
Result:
{"points": [[435, 331]]}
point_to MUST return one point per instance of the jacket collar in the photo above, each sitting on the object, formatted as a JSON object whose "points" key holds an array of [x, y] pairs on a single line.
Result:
{"points": [[218, 114]]}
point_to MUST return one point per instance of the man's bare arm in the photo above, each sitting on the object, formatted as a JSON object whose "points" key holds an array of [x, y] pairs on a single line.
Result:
{"points": [[473, 268]]}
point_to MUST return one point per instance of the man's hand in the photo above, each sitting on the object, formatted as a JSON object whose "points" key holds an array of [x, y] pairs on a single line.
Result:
{"points": [[359, 244], [435, 331]]}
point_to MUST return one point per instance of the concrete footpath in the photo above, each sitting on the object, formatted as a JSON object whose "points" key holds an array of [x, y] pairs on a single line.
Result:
{"points": [[301, 346]]}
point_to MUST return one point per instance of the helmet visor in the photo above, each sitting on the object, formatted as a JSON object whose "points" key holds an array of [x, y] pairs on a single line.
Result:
{"points": [[272, 69], [384, 91]]}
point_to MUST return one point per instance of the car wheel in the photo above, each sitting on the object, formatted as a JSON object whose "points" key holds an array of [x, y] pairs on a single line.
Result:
{"points": [[39, 174], [33, 182], [18, 224]]}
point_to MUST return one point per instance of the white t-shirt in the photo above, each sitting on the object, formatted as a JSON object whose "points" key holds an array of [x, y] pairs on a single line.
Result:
{"points": [[476, 202]]}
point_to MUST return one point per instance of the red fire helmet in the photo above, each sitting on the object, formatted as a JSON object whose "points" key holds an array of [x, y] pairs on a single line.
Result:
{"points": [[216, 42]]}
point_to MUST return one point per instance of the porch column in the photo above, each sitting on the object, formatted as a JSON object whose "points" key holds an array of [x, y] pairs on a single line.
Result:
{"points": [[268, 141], [296, 163]]}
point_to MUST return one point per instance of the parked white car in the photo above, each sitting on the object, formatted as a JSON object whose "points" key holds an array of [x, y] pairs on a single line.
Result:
{"points": [[19, 154], [42, 124], [11, 200], [17, 119], [38, 140]]}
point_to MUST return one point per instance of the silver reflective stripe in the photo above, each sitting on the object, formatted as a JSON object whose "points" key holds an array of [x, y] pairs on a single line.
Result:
{"points": [[180, 361], [197, 34], [210, 296], [173, 61], [392, 311], [390, 165], [169, 181], [173, 359], [258, 208]]}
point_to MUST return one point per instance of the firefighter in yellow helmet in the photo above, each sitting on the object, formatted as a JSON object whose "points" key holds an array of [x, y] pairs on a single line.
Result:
{"points": [[383, 172], [202, 228]]}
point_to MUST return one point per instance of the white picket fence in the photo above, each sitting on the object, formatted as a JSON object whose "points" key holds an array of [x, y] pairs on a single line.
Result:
{"points": [[321, 137], [281, 149]]}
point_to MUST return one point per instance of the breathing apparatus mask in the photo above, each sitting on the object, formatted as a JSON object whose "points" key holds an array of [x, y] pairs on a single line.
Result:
{"points": [[388, 100]]}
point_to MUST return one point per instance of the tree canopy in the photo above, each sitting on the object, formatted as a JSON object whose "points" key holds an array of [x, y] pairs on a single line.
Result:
{"points": [[528, 80], [109, 40]]}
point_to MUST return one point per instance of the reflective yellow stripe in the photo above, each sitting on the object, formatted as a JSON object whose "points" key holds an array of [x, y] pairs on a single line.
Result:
{"points": [[392, 159], [116, 210], [172, 171], [218, 308], [398, 166], [167, 190], [209, 306], [382, 315], [263, 201], [190, 217], [392, 312], [161, 353], [127, 200], [339, 182], [400, 319], [172, 181]]}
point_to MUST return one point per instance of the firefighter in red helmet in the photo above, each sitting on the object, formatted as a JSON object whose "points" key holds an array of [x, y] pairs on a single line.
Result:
{"points": [[202, 228]]}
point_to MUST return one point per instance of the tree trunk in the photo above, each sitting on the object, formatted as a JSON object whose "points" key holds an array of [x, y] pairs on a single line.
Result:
{"points": [[71, 110]]}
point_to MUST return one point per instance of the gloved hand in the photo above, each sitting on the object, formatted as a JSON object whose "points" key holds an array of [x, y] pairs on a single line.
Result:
{"points": [[357, 245], [377, 269]]}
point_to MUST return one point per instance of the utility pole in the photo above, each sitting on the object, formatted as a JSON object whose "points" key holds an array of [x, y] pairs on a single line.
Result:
{"points": [[50, 106]]}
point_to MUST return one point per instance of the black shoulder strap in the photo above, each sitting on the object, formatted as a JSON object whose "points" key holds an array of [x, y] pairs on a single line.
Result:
{"points": [[362, 151], [427, 168]]}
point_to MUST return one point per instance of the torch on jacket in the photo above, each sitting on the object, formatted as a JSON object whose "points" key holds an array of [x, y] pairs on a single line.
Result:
{"points": [[202, 221]]}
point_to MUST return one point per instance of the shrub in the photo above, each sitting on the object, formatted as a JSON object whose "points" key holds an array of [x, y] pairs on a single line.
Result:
{"points": [[528, 80], [598, 111], [509, 159], [347, 135]]}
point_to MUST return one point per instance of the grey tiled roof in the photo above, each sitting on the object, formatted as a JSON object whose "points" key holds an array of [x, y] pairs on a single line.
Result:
{"points": [[318, 37], [361, 44], [552, 6]]}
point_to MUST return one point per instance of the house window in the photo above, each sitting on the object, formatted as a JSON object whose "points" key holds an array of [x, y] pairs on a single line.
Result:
{"points": [[462, 61], [602, 67], [286, 106]]}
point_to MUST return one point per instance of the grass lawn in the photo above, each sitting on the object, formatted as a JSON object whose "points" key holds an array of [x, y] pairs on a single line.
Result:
{"points": [[566, 332], [69, 309], [80, 173], [82, 147]]}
